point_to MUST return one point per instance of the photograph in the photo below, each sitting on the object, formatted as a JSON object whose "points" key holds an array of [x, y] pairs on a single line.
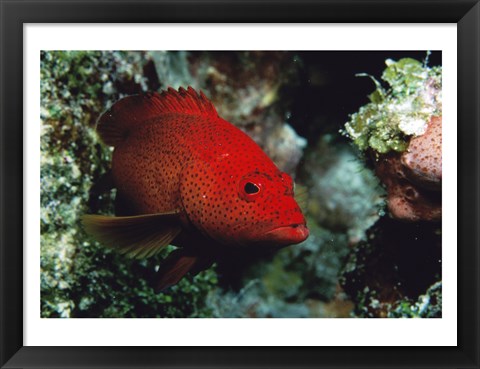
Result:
{"points": [[224, 184], [241, 184]]}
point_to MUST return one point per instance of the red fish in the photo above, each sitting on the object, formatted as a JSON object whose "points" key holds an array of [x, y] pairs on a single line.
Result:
{"points": [[186, 177]]}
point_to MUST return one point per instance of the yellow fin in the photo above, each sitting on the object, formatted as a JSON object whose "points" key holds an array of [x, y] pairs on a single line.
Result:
{"points": [[139, 236]]}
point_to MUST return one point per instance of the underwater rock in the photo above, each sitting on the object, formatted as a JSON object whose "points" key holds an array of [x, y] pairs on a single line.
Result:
{"points": [[395, 266]]}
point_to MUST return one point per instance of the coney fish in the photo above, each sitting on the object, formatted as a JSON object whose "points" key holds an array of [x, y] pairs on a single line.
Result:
{"points": [[186, 177]]}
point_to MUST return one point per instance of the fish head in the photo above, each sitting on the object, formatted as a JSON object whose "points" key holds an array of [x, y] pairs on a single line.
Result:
{"points": [[236, 209], [273, 216]]}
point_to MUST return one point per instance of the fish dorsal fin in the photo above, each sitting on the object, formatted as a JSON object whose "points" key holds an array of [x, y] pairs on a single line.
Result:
{"points": [[115, 124], [139, 236]]}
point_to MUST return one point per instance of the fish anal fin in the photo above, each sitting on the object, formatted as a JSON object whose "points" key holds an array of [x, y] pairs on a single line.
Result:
{"points": [[176, 266], [139, 236], [115, 124]]}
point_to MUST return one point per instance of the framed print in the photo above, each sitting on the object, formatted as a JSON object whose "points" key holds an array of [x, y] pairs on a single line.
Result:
{"points": [[239, 184]]}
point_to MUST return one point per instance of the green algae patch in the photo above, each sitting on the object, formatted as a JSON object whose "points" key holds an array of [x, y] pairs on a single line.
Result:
{"points": [[399, 110]]}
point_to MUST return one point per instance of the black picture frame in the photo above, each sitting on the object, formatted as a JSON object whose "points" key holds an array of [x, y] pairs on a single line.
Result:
{"points": [[14, 13]]}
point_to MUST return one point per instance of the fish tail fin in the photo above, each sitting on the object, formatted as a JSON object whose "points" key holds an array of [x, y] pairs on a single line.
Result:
{"points": [[117, 122]]}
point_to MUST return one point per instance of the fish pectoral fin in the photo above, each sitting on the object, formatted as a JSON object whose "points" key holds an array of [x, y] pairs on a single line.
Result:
{"points": [[139, 236], [176, 265], [301, 197]]}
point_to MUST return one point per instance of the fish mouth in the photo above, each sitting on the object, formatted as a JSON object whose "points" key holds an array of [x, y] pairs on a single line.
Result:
{"points": [[286, 235]]}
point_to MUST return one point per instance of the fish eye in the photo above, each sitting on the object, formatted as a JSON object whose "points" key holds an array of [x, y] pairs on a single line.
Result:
{"points": [[251, 188]]}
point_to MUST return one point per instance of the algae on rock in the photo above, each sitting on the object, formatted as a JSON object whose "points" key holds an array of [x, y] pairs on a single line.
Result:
{"points": [[400, 111]]}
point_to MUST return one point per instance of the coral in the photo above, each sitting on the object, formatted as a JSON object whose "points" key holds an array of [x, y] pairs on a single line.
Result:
{"points": [[413, 96], [401, 129], [422, 160], [414, 178], [407, 201]]}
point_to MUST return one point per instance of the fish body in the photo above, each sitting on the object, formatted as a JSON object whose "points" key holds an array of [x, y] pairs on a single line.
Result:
{"points": [[185, 176]]}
